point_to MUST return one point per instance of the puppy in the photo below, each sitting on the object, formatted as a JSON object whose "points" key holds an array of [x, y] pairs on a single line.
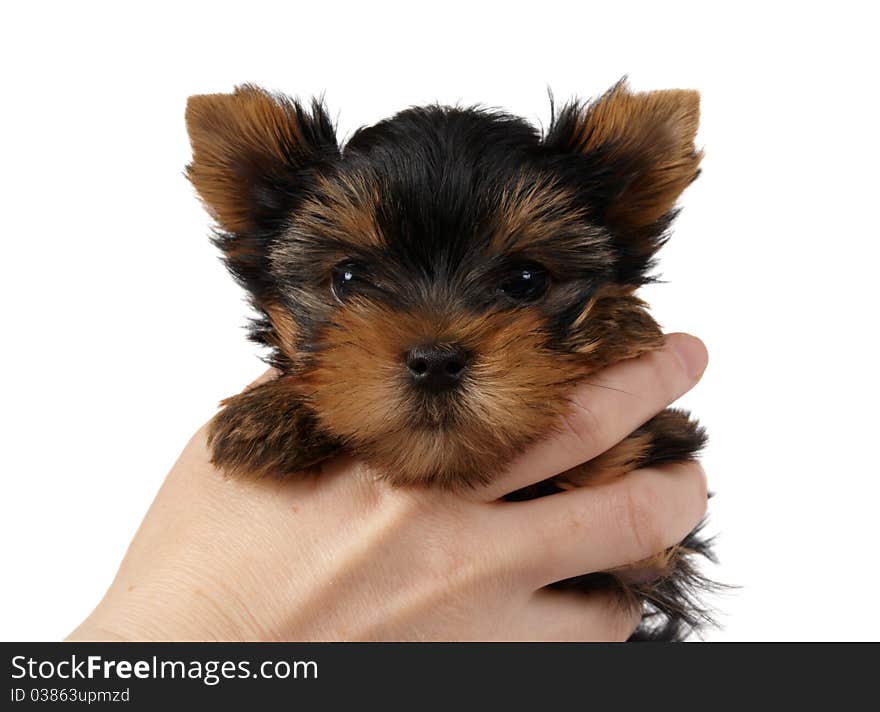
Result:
{"points": [[432, 290]]}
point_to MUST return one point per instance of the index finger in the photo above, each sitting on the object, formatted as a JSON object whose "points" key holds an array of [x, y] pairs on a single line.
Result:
{"points": [[607, 408]]}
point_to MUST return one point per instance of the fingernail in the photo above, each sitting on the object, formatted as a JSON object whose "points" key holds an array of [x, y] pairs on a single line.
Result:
{"points": [[692, 353]]}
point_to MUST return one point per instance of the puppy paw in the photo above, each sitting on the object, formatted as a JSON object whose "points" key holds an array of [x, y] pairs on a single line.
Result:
{"points": [[267, 431]]}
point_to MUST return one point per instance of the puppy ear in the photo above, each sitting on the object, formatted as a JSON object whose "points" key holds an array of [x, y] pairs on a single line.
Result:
{"points": [[249, 151], [640, 157]]}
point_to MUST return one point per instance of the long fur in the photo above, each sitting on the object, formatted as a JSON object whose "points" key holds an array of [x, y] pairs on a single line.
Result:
{"points": [[423, 231]]}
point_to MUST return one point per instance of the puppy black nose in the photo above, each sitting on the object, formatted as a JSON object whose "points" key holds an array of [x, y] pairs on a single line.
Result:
{"points": [[436, 368]]}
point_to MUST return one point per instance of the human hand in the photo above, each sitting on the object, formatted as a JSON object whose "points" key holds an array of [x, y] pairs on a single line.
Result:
{"points": [[342, 555]]}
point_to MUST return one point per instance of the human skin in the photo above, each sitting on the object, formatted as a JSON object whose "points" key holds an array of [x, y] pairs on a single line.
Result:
{"points": [[342, 555]]}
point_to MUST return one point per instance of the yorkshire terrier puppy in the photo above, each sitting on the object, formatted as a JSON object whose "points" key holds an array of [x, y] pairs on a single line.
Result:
{"points": [[432, 290]]}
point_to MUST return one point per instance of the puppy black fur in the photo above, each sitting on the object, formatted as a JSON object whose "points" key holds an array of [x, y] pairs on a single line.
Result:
{"points": [[432, 290]]}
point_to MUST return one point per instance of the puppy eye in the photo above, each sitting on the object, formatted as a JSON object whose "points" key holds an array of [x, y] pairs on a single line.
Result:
{"points": [[347, 277], [526, 282]]}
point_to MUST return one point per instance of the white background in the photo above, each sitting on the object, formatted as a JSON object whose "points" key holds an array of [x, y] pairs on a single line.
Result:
{"points": [[121, 330]]}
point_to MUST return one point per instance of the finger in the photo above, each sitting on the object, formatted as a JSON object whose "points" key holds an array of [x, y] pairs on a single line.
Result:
{"points": [[568, 616], [599, 528], [614, 402]]}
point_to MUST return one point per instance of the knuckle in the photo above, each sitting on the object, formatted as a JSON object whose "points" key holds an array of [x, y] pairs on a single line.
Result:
{"points": [[584, 427], [641, 521], [667, 372], [650, 516]]}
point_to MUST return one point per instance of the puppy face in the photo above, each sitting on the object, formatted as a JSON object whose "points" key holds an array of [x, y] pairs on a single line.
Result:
{"points": [[436, 287]]}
